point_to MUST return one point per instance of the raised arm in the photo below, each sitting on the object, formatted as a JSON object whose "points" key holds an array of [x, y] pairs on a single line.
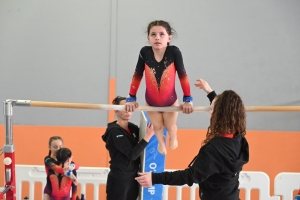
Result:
{"points": [[125, 146], [51, 165], [203, 85]]}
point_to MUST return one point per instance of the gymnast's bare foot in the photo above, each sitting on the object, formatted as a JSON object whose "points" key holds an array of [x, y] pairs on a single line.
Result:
{"points": [[173, 142], [162, 149]]}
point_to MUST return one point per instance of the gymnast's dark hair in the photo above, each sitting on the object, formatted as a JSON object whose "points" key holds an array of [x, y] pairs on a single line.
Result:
{"points": [[54, 138], [118, 99], [62, 155]]}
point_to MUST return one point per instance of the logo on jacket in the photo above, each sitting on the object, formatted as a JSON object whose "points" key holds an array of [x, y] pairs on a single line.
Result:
{"points": [[119, 136], [134, 135]]}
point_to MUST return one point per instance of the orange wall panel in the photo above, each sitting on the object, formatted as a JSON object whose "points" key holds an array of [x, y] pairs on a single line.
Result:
{"points": [[112, 95], [270, 151]]}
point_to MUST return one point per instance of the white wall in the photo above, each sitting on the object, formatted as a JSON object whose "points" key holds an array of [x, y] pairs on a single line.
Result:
{"points": [[60, 51]]}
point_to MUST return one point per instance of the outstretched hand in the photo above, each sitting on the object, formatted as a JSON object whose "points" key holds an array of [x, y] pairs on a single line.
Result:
{"points": [[145, 179], [131, 106], [202, 84]]}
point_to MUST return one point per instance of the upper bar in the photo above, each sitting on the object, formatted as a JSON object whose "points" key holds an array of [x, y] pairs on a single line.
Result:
{"points": [[107, 106], [22, 103], [145, 108]]}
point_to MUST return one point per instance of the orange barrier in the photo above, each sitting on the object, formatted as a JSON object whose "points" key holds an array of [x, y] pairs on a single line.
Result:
{"points": [[270, 151]]}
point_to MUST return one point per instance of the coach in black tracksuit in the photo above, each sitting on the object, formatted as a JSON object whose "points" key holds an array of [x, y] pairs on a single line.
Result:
{"points": [[225, 150], [122, 142]]}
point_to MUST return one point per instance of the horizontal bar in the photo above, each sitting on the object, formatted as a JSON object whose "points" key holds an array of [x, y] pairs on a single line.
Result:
{"points": [[107, 106], [272, 108], [146, 108]]}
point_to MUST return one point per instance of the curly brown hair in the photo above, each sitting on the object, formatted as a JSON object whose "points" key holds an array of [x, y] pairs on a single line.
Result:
{"points": [[228, 116]]}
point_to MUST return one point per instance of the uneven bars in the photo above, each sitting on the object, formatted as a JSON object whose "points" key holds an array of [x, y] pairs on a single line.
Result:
{"points": [[144, 108]]}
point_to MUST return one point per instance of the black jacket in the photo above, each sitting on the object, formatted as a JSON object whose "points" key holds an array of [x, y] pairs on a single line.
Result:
{"points": [[124, 150], [216, 168]]}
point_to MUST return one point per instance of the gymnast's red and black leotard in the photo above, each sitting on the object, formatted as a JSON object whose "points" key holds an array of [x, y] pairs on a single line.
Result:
{"points": [[60, 186], [160, 76], [51, 164]]}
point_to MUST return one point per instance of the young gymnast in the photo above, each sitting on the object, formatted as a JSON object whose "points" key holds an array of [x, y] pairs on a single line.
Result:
{"points": [[124, 146], [160, 61], [222, 155], [60, 185], [55, 143]]}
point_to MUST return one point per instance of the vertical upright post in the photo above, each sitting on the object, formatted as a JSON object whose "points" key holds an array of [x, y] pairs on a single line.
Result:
{"points": [[113, 55], [9, 152]]}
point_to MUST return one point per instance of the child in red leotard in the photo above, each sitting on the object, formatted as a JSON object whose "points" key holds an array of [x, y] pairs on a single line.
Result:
{"points": [[59, 184], [55, 143], [160, 63]]}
